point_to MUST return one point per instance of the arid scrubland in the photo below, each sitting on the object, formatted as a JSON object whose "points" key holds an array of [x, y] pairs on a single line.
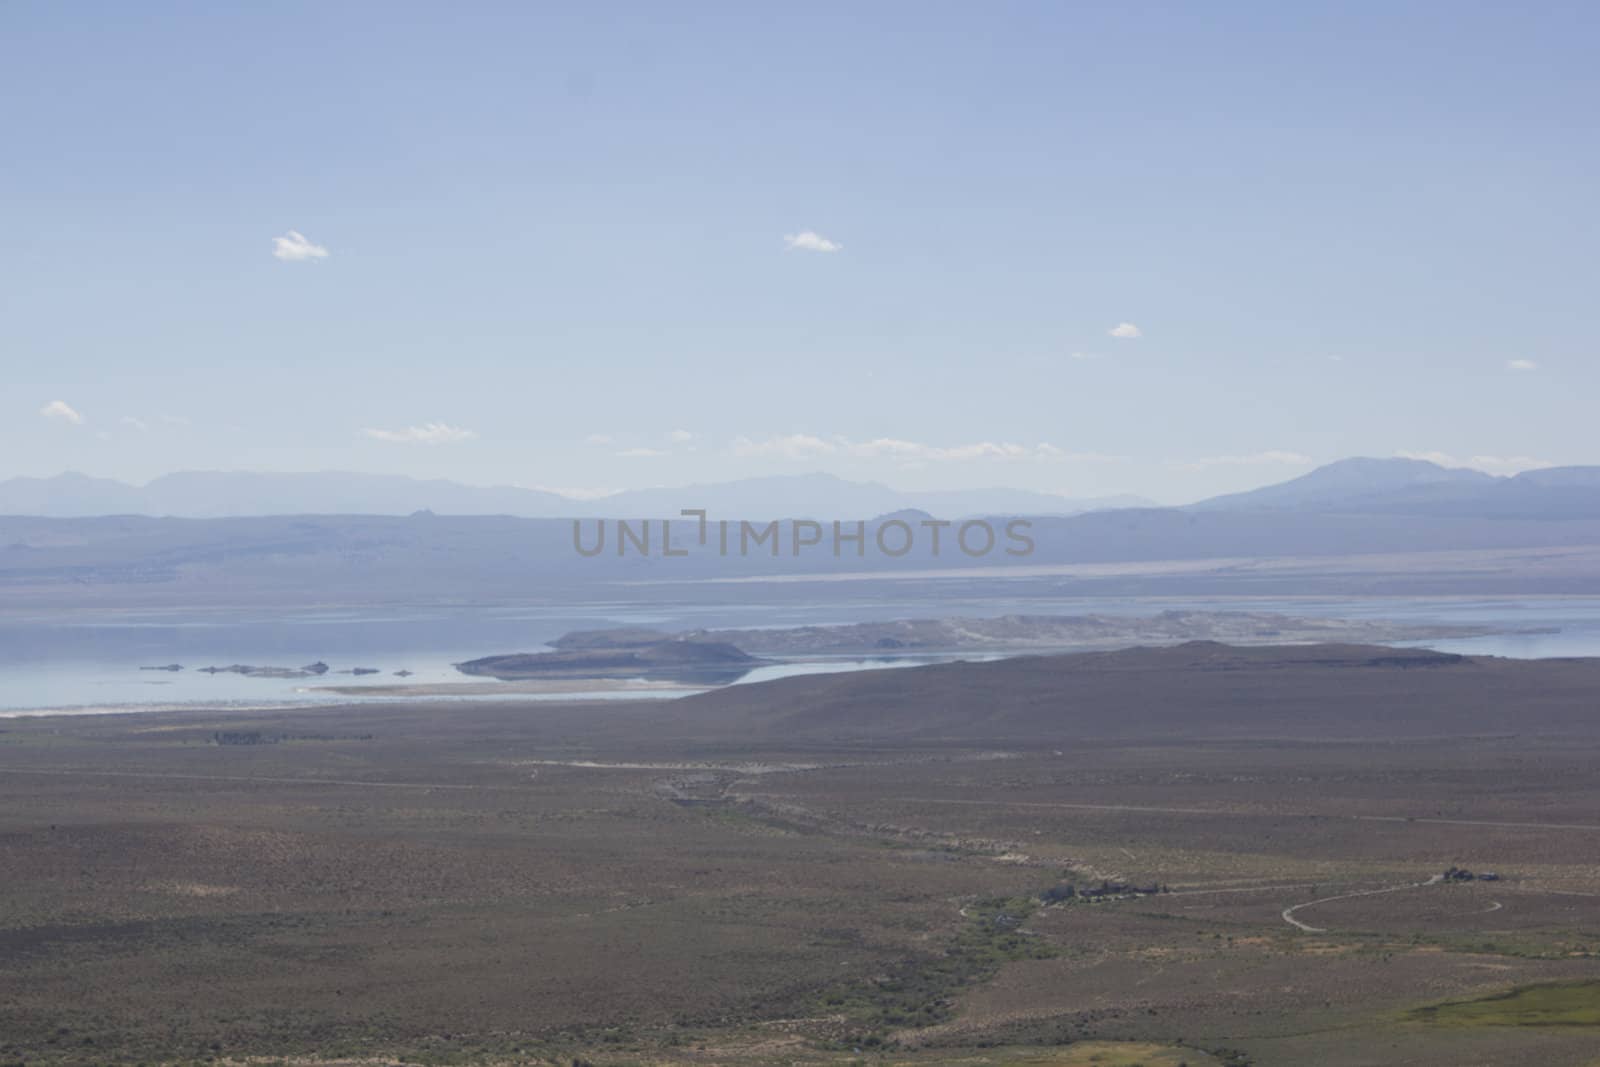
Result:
{"points": [[704, 883]]}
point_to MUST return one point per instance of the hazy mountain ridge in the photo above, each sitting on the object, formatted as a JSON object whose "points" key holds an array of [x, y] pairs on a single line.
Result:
{"points": [[224, 494], [1356, 486], [1418, 487], [132, 561], [1356, 527]]}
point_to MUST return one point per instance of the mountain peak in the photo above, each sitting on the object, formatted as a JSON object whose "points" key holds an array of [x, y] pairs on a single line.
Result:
{"points": [[1348, 481], [1395, 470]]}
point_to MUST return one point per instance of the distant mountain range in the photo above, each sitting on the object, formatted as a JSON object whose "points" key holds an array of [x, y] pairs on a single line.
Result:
{"points": [[1393, 487], [1417, 487], [220, 494], [1359, 528]]}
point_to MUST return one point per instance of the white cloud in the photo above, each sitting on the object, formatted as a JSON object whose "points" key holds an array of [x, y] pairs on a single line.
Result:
{"points": [[599, 439], [59, 409], [580, 493], [912, 450], [801, 446], [810, 241], [1487, 464], [641, 453], [135, 424], [1049, 451], [429, 433], [789, 446], [1125, 331], [1507, 464], [1084, 355], [680, 437], [294, 246], [1443, 459], [1521, 364], [1271, 457]]}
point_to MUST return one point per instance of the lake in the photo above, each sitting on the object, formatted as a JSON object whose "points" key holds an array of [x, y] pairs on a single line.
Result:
{"points": [[94, 664]]}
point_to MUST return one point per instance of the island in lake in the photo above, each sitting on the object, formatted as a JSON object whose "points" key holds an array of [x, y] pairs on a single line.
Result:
{"points": [[1027, 633], [662, 657], [717, 657]]}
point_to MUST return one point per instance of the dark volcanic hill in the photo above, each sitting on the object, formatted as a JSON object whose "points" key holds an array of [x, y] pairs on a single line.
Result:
{"points": [[1201, 690]]}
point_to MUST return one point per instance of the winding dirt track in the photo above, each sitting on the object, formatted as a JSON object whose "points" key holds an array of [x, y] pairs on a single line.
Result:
{"points": [[1288, 913]]}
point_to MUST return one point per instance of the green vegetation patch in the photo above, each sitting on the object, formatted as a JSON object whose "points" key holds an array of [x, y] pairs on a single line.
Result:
{"points": [[919, 993], [1112, 1054], [1564, 1004]]}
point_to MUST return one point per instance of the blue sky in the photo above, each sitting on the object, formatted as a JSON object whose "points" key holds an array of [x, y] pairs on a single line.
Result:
{"points": [[558, 242]]}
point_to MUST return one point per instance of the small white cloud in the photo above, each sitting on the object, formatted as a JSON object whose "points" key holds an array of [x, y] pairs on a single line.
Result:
{"points": [[788, 446], [135, 424], [599, 439], [294, 247], [810, 241], [1507, 464], [1521, 364], [1443, 459], [1049, 451], [1487, 464], [579, 493], [429, 433], [912, 450], [680, 437], [641, 453], [1125, 331], [60, 409], [1084, 355], [1271, 457], [801, 446]]}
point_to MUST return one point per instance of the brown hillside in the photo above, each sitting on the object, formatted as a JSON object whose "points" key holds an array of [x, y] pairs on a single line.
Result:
{"points": [[1198, 690]]}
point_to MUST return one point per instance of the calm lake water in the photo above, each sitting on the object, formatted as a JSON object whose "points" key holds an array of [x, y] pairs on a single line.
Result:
{"points": [[94, 665]]}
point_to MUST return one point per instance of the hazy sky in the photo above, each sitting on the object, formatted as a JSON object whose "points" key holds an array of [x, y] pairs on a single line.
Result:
{"points": [[1081, 248]]}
